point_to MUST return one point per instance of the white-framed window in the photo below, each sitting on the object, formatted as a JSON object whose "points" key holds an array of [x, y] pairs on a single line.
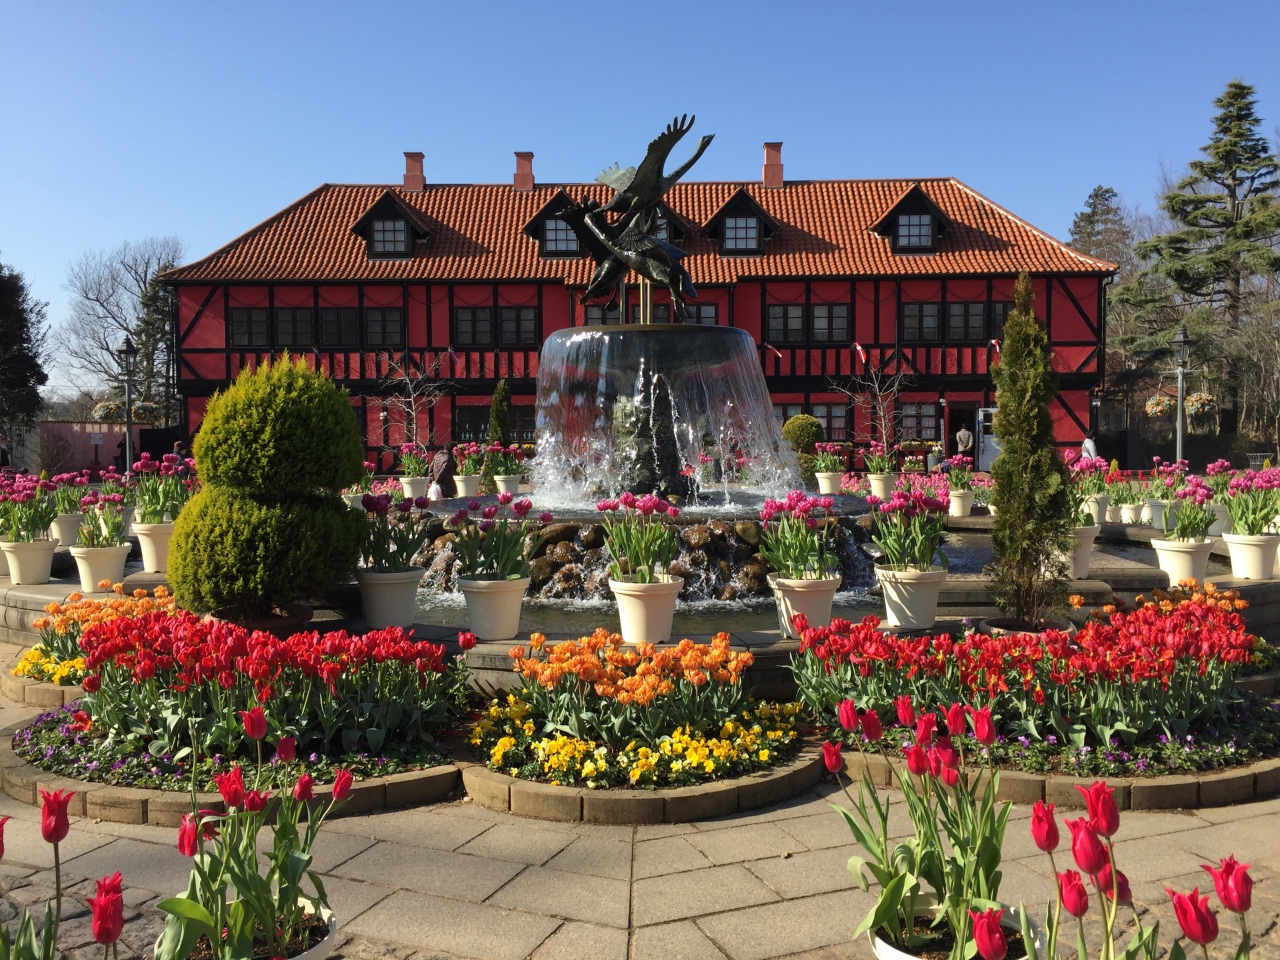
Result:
{"points": [[390, 236], [742, 233], [559, 237]]}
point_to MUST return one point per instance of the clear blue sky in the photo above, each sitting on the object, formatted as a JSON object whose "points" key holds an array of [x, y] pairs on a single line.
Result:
{"points": [[124, 120]]}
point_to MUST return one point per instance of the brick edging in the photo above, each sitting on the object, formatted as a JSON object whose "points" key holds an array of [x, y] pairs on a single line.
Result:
{"points": [[717, 798], [101, 801], [1234, 785], [36, 693]]}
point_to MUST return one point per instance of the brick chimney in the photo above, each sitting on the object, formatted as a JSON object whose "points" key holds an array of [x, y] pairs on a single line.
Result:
{"points": [[413, 179], [524, 171], [773, 164]]}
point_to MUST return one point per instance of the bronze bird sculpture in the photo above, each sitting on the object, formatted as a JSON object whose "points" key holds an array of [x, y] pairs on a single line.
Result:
{"points": [[654, 259], [642, 187]]}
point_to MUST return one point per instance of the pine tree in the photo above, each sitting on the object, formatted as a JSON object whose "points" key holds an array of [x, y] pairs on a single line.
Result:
{"points": [[1102, 229], [1228, 222], [1033, 511], [499, 431], [22, 319]]}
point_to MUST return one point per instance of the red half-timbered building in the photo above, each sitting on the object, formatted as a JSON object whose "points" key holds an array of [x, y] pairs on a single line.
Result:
{"points": [[468, 279]]}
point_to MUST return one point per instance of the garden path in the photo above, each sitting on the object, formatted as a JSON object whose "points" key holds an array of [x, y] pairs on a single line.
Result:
{"points": [[457, 880]]}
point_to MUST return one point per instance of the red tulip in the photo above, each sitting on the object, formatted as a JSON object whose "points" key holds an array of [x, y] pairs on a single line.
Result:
{"points": [[925, 725], [906, 712], [287, 749], [984, 730], [848, 714], [947, 753], [831, 756], [231, 786], [466, 639], [1231, 880], [917, 760], [954, 715], [1121, 894], [108, 910], [1044, 828], [1075, 898], [1103, 813], [935, 762], [1194, 916], [871, 728], [988, 934], [53, 815], [1090, 854], [342, 785], [255, 723], [302, 789], [91, 684], [3, 821], [256, 801], [187, 840], [950, 777]]}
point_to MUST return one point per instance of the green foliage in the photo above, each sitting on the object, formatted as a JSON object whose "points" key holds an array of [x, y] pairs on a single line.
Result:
{"points": [[1032, 497], [499, 432], [803, 431], [22, 320], [250, 555], [281, 431]]}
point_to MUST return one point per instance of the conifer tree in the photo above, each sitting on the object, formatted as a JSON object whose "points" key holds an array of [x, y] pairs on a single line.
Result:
{"points": [[499, 431], [1228, 221], [1033, 510], [1102, 229], [22, 375]]}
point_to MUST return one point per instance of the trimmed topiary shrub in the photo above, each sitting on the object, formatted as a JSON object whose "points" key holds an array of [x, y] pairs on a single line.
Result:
{"points": [[269, 528], [802, 431], [499, 432]]}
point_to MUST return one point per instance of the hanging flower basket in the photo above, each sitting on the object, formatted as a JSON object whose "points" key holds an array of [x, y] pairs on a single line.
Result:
{"points": [[144, 411], [1199, 404], [1160, 405], [108, 410]]}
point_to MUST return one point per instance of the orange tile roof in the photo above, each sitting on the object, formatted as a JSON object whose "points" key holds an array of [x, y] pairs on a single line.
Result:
{"points": [[824, 231]]}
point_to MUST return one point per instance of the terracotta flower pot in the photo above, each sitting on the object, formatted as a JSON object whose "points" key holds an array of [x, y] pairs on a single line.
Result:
{"points": [[154, 539], [390, 599], [467, 486], [414, 487], [493, 606], [645, 610], [1252, 558], [829, 482], [961, 503], [1183, 559], [911, 596], [813, 598], [96, 564], [29, 560]]}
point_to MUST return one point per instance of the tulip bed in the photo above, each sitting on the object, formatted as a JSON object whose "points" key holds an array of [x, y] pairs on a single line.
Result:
{"points": [[1136, 692], [166, 690], [594, 714]]}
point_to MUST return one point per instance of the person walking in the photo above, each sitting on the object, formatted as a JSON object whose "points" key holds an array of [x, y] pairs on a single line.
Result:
{"points": [[1089, 449]]}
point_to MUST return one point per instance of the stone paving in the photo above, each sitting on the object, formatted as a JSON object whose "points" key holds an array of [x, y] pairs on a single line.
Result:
{"points": [[457, 880]]}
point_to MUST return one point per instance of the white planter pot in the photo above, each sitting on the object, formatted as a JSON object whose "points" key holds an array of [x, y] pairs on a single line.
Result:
{"points": [[467, 486], [1183, 559], [100, 563], [1113, 513], [493, 606], [125, 530], [354, 500], [829, 482], [646, 609], [1158, 509], [926, 907], [319, 952], [1097, 506], [961, 503], [911, 596], [154, 539], [1222, 521], [65, 527], [1252, 557], [508, 483], [1144, 512], [1083, 551], [390, 599], [881, 484], [30, 561], [991, 509], [813, 598], [1131, 513], [414, 487], [4, 561]]}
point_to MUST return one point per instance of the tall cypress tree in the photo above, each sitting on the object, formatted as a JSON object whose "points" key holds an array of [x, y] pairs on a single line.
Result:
{"points": [[499, 431], [22, 375], [1228, 222], [1033, 510]]}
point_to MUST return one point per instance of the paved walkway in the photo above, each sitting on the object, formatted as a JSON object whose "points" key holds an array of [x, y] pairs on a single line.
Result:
{"points": [[457, 880]]}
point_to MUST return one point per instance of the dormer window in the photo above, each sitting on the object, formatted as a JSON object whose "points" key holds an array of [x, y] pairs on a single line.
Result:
{"points": [[558, 237], [915, 230], [390, 237], [741, 226], [662, 229], [741, 233]]}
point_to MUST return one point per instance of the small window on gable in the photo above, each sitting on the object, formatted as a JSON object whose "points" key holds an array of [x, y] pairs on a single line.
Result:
{"points": [[390, 237], [741, 233], [915, 230], [558, 237]]}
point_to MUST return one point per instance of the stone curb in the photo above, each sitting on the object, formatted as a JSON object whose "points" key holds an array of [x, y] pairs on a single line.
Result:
{"points": [[101, 801], [36, 693], [528, 798], [1214, 789]]}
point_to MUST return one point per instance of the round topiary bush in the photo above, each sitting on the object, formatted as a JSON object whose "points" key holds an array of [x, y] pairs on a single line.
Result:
{"points": [[802, 431], [280, 431], [248, 556], [268, 528]]}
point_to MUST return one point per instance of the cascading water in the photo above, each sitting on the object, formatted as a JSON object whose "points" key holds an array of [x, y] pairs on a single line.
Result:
{"points": [[679, 410]]}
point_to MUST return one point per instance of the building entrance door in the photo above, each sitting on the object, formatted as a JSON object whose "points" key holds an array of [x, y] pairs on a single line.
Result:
{"points": [[988, 445]]}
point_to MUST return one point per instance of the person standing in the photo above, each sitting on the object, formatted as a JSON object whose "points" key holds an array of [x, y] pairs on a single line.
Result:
{"points": [[1089, 449], [964, 441]]}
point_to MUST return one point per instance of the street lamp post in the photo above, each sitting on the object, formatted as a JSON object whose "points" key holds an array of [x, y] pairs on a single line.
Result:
{"points": [[128, 354], [1181, 343]]}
